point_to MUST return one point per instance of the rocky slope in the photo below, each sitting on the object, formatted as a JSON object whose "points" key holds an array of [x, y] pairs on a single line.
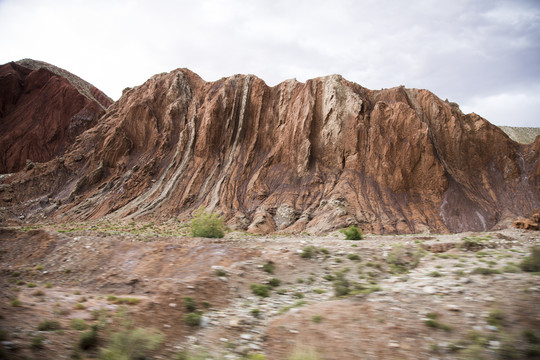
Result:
{"points": [[311, 156], [524, 135], [379, 298], [42, 109]]}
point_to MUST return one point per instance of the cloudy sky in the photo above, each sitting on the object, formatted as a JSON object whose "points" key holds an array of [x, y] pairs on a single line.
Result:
{"points": [[484, 55]]}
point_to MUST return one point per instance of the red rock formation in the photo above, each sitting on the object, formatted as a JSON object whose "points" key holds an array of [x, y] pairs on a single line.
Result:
{"points": [[42, 110], [311, 156]]}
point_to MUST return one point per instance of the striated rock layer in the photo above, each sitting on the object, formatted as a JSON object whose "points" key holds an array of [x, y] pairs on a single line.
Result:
{"points": [[42, 109], [312, 156]]}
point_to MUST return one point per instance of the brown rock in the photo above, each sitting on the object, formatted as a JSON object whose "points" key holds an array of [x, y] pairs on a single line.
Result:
{"points": [[526, 224], [42, 110], [312, 156]]}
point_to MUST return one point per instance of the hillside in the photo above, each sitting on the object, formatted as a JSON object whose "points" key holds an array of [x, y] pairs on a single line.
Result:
{"points": [[314, 156], [524, 135], [42, 110]]}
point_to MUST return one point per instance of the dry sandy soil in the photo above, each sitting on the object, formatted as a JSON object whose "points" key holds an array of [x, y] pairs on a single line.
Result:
{"points": [[431, 307]]}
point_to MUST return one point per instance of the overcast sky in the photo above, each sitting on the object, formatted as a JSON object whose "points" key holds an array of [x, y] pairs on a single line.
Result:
{"points": [[484, 55]]}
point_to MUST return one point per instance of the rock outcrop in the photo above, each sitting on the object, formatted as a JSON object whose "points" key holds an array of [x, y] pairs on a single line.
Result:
{"points": [[42, 109], [312, 156]]}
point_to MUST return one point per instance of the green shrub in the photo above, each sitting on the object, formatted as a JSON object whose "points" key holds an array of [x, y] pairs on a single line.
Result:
{"points": [[269, 267], [484, 271], [532, 262], [189, 304], [255, 312], [402, 258], [341, 285], [49, 325], [16, 303], [78, 324], [88, 339], [37, 342], [207, 225], [495, 317], [353, 257], [352, 233], [193, 318], [308, 252], [273, 282], [531, 337], [260, 290], [131, 344], [317, 319], [220, 273]]}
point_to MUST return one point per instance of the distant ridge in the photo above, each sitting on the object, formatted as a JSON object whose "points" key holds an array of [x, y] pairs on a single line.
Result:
{"points": [[85, 88], [524, 135]]}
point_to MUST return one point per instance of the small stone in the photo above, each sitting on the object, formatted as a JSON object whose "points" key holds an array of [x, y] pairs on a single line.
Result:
{"points": [[205, 321], [452, 307], [166, 326], [292, 331], [494, 344], [254, 346], [429, 290], [245, 336], [492, 328], [393, 344], [173, 305]]}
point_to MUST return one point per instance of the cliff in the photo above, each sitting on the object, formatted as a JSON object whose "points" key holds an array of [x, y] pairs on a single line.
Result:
{"points": [[312, 156]]}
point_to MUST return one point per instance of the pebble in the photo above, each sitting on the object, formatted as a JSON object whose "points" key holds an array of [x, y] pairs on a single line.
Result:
{"points": [[245, 336], [429, 290], [452, 307], [494, 344], [173, 305]]}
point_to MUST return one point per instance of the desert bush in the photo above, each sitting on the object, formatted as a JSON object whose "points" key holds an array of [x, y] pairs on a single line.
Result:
{"points": [[193, 318], [342, 285], [317, 319], [495, 317], [401, 258], [207, 225], [189, 304], [353, 257], [131, 344], [351, 233], [49, 325], [484, 271], [37, 342], [269, 267], [274, 282], [532, 262], [260, 290], [89, 339], [78, 324], [308, 252], [255, 312]]}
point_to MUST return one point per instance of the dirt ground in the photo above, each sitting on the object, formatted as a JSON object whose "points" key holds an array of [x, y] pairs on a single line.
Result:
{"points": [[403, 297]]}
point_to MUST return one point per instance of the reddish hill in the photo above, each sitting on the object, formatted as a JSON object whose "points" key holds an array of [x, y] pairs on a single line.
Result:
{"points": [[42, 109], [311, 156]]}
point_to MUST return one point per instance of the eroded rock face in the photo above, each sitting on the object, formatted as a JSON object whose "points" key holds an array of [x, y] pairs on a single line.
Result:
{"points": [[42, 110], [311, 156]]}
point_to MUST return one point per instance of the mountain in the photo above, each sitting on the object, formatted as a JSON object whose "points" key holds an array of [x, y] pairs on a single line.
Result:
{"points": [[314, 156], [524, 135], [42, 109]]}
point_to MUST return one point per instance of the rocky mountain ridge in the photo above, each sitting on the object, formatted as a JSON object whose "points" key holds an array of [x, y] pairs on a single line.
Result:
{"points": [[312, 156], [42, 110]]}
